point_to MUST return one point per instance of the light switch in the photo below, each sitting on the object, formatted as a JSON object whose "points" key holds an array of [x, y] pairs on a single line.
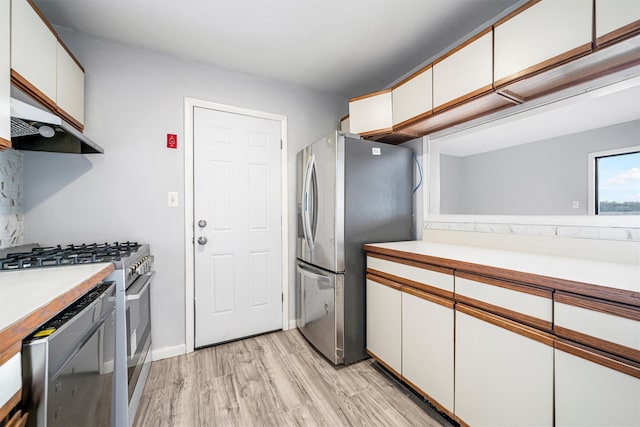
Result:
{"points": [[172, 199]]}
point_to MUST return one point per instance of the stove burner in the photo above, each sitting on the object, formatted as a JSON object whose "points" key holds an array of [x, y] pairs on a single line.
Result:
{"points": [[71, 254]]}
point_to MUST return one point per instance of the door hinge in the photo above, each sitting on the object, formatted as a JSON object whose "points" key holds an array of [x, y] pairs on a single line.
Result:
{"points": [[282, 297], [281, 144]]}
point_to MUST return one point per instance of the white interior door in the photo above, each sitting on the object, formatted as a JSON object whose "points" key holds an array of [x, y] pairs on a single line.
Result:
{"points": [[237, 220]]}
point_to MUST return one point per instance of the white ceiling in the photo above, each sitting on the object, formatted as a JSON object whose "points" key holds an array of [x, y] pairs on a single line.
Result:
{"points": [[609, 105], [345, 47]]}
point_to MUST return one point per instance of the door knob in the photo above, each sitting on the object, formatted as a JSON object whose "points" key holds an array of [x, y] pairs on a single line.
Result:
{"points": [[202, 223], [202, 240]]}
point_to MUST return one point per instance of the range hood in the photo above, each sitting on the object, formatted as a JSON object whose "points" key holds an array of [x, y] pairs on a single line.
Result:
{"points": [[35, 129]]}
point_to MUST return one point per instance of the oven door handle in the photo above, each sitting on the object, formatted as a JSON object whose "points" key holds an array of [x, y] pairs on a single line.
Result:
{"points": [[138, 290]]}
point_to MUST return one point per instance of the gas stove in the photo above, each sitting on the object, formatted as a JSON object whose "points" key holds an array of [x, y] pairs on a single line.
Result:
{"points": [[69, 255]]}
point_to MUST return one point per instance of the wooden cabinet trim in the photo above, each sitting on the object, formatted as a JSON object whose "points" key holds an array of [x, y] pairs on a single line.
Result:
{"points": [[4, 143], [23, 84], [606, 307], [526, 319], [380, 361], [463, 45], [11, 403], [431, 267], [598, 343], [10, 350], [412, 76], [19, 419], [369, 95], [624, 366], [398, 127], [507, 324], [622, 33], [520, 287], [516, 12], [375, 133], [464, 98], [384, 281], [428, 297], [72, 121], [429, 398], [416, 285], [544, 65], [12, 336]]}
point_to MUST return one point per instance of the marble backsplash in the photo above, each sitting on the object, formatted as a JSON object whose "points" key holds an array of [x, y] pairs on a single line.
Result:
{"points": [[11, 210], [574, 231]]}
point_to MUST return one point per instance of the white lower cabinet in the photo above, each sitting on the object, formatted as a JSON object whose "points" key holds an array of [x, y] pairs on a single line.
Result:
{"points": [[427, 346], [503, 371], [384, 322], [595, 390]]}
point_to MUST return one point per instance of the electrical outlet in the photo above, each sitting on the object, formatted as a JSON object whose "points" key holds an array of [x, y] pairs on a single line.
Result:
{"points": [[172, 199], [576, 204]]}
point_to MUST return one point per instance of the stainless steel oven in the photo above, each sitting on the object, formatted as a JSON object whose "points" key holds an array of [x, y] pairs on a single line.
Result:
{"points": [[138, 315], [68, 364]]}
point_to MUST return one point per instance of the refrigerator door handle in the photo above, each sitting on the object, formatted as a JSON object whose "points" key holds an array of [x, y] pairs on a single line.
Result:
{"points": [[313, 225], [306, 221], [319, 277]]}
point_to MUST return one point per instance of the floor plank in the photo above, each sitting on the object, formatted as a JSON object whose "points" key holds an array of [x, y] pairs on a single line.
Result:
{"points": [[276, 379]]}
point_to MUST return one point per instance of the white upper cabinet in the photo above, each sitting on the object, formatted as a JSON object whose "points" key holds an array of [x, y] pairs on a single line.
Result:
{"points": [[543, 34], [465, 72], [612, 18], [5, 64], [413, 97], [371, 114], [33, 52], [70, 86]]}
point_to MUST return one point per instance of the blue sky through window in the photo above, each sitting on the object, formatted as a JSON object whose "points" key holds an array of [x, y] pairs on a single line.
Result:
{"points": [[619, 178]]}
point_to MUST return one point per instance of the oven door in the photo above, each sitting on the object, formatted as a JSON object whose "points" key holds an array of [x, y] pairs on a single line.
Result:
{"points": [[138, 314]]}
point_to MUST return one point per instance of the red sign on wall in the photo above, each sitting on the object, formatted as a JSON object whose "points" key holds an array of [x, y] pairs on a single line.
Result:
{"points": [[172, 140]]}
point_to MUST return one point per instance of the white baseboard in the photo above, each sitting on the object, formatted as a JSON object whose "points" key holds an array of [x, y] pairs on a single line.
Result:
{"points": [[292, 324], [167, 352]]}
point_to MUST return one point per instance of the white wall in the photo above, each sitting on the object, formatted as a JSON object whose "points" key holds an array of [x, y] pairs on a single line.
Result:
{"points": [[134, 97], [538, 178]]}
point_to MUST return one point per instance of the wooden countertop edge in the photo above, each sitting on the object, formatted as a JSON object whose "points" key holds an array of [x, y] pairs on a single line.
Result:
{"points": [[552, 283], [11, 337]]}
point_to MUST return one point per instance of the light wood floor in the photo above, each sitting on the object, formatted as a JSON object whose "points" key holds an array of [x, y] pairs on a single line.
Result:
{"points": [[275, 379]]}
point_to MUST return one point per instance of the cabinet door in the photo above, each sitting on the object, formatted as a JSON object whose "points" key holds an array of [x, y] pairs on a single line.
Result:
{"points": [[371, 114], [464, 73], [616, 19], [70, 88], [5, 64], [594, 390], [384, 327], [541, 35], [413, 98], [427, 346], [344, 124], [10, 379], [33, 53], [504, 371]]}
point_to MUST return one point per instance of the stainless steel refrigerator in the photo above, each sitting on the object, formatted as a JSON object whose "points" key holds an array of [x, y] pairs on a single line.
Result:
{"points": [[349, 192]]}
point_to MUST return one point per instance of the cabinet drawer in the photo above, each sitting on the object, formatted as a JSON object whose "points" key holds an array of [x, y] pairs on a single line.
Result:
{"points": [[465, 73], [437, 280], [10, 378], [413, 98], [371, 114], [542, 34], [610, 327], [527, 304]]}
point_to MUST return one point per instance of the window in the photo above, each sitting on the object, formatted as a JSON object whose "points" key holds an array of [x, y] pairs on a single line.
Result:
{"points": [[615, 182]]}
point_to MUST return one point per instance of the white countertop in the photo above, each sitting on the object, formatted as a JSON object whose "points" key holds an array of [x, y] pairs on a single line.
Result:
{"points": [[610, 274], [24, 291]]}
